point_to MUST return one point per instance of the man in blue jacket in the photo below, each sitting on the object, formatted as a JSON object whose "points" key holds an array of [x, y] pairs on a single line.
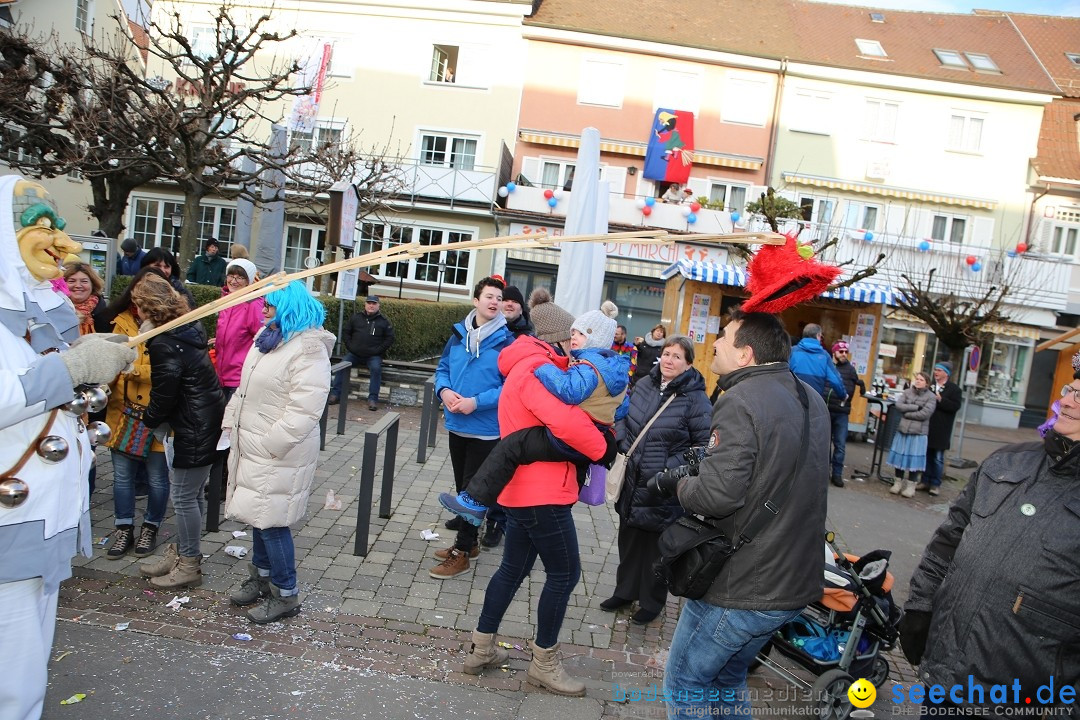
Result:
{"points": [[129, 261], [812, 364]]}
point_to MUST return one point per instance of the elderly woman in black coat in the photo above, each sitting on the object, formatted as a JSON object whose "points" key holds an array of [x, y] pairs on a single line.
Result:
{"points": [[643, 513]]}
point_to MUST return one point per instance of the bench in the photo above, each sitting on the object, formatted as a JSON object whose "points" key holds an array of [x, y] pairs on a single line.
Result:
{"points": [[402, 381]]}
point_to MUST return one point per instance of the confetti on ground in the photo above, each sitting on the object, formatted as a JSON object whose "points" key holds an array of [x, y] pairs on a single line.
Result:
{"points": [[177, 602], [102, 541], [333, 502], [297, 692], [239, 533], [236, 551], [62, 655], [76, 698], [242, 636], [121, 626], [148, 593], [429, 534]]}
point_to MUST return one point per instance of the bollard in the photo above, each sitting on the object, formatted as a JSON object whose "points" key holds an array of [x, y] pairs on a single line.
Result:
{"points": [[343, 402], [429, 421], [389, 425]]}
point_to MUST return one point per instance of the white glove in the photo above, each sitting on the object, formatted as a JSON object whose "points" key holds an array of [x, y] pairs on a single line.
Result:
{"points": [[96, 361]]}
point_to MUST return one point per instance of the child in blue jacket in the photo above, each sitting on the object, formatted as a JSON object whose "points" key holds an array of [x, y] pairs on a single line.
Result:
{"points": [[596, 382]]}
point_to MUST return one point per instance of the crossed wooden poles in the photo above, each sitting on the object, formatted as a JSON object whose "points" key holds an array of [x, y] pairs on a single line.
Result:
{"points": [[413, 250]]}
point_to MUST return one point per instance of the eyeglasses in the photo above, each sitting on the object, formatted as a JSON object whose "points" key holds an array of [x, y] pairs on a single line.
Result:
{"points": [[1070, 389]]}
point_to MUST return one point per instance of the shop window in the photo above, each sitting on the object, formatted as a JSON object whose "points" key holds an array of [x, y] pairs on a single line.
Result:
{"points": [[1001, 377]]}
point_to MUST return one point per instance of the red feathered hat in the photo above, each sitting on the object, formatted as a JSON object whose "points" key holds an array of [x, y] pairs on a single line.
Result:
{"points": [[782, 276]]}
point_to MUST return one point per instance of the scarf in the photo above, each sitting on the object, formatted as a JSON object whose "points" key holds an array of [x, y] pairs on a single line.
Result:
{"points": [[654, 343], [85, 312], [475, 336], [269, 338]]}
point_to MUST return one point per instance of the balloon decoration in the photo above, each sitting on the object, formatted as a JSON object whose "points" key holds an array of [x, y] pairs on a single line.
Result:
{"points": [[552, 202], [511, 186], [735, 217], [647, 210], [558, 194], [1011, 253], [685, 211], [695, 206], [639, 203], [869, 237], [691, 218], [650, 201], [924, 245], [976, 266], [549, 193], [1021, 247], [503, 191], [971, 260]]}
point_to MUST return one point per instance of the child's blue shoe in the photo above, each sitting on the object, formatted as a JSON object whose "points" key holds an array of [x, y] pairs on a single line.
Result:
{"points": [[464, 507]]}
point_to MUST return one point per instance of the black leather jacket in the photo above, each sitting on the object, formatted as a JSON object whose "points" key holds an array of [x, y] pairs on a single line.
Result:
{"points": [[185, 393]]}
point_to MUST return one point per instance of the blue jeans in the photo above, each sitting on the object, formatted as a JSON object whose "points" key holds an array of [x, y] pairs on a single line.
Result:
{"points": [[935, 467], [374, 366], [839, 442], [124, 469], [710, 653], [272, 549], [546, 531]]}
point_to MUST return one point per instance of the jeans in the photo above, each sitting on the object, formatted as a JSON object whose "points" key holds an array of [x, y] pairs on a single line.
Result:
{"points": [[935, 467], [189, 507], [546, 531], [272, 549], [466, 456], [374, 366], [710, 653], [124, 469], [839, 442]]}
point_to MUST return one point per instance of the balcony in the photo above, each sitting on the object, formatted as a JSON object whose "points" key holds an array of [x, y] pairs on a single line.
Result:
{"points": [[446, 185]]}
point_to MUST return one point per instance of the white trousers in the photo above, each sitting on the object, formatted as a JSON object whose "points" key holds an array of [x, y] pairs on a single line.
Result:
{"points": [[27, 624]]}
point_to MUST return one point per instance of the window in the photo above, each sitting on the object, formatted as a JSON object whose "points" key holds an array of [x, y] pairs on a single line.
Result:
{"points": [[948, 228], [151, 223], [444, 62], [14, 151], [965, 132], [747, 100], [1063, 240], [870, 48], [732, 196], [448, 150], [326, 133], [678, 90], [982, 62], [877, 17], [203, 42], [951, 59], [818, 213], [811, 111], [602, 83], [84, 16], [880, 121], [379, 236], [861, 216], [1074, 58], [555, 174], [304, 248]]}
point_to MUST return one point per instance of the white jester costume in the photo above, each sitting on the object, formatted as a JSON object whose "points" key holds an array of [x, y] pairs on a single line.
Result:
{"points": [[38, 537]]}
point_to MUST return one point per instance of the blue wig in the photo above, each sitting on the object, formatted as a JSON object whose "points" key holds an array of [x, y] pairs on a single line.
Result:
{"points": [[296, 309]]}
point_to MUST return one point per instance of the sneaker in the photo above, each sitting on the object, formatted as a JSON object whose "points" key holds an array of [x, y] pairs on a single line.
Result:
{"points": [[123, 541], [464, 507], [493, 535], [147, 541], [333, 400], [455, 523], [445, 552], [456, 562]]}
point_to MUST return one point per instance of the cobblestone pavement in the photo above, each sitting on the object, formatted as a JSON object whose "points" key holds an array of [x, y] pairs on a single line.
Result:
{"points": [[384, 612]]}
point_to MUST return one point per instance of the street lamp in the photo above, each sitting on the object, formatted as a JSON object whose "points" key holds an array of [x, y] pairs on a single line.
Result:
{"points": [[177, 224], [442, 271]]}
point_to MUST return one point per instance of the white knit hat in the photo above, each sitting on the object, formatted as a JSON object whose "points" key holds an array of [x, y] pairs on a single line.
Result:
{"points": [[247, 266], [598, 326]]}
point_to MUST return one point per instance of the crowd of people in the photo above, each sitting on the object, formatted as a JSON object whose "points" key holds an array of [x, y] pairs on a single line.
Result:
{"points": [[577, 393]]}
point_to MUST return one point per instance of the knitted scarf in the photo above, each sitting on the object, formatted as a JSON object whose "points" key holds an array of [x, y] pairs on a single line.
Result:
{"points": [[85, 312]]}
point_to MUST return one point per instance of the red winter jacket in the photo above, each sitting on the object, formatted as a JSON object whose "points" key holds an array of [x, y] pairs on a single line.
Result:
{"points": [[525, 403]]}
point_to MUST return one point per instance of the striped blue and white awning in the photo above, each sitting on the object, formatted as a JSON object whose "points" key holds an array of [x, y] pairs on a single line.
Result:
{"points": [[732, 275]]}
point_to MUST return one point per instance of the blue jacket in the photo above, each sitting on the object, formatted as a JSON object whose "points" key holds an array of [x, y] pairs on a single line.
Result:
{"points": [[812, 364], [575, 385], [126, 266], [473, 372]]}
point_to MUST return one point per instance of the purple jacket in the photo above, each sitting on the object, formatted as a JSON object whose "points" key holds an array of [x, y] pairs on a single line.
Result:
{"points": [[236, 330]]}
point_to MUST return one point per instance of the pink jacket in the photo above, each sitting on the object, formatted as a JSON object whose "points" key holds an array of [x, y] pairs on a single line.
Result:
{"points": [[236, 330]]}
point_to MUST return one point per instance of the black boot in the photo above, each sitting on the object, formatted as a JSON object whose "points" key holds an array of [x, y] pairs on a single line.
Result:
{"points": [[123, 541], [493, 535]]}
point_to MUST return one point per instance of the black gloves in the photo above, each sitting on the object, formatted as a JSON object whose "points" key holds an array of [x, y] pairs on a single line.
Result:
{"points": [[666, 483], [914, 629], [610, 452]]}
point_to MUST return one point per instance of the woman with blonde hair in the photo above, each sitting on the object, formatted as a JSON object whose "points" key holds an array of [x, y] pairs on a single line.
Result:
{"points": [[273, 423], [85, 288], [186, 395]]}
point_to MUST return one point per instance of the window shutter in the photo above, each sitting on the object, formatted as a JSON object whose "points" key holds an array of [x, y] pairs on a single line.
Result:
{"points": [[982, 232], [530, 169], [617, 177]]}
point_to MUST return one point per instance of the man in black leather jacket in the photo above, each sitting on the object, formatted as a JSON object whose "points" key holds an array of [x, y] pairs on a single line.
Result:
{"points": [[366, 337], [840, 409]]}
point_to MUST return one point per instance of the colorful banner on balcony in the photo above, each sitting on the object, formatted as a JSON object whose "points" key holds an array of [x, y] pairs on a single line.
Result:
{"points": [[313, 72], [670, 154]]}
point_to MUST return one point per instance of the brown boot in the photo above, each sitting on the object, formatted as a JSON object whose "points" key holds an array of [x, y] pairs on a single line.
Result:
{"points": [[547, 670], [162, 565], [187, 573], [485, 652], [456, 562], [445, 552]]}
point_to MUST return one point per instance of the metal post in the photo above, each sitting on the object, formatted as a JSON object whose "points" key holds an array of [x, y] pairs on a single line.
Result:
{"points": [[958, 460], [389, 460], [367, 487], [427, 419]]}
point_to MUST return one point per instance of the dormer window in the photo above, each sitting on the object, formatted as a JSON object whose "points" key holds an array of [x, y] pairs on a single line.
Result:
{"points": [[1074, 58], [870, 48], [951, 59], [877, 17]]}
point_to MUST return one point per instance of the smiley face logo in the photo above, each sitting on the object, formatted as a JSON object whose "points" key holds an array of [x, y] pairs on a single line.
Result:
{"points": [[862, 693]]}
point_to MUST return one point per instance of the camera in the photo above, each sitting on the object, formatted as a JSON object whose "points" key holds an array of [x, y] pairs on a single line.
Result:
{"points": [[666, 481]]}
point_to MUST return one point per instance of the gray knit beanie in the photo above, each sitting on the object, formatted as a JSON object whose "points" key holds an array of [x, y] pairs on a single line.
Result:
{"points": [[598, 326], [552, 323]]}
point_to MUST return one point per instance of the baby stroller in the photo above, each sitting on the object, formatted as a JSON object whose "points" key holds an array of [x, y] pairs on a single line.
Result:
{"points": [[841, 637]]}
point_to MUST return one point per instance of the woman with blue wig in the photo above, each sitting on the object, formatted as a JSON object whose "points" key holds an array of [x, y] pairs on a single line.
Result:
{"points": [[273, 419]]}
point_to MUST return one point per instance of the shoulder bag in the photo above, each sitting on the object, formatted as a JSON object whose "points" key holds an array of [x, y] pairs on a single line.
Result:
{"points": [[616, 475], [133, 437], [694, 549]]}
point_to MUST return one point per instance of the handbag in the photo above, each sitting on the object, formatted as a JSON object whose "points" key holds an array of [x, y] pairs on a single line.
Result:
{"points": [[133, 437], [694, 549], [592, 492], [616, 474]]}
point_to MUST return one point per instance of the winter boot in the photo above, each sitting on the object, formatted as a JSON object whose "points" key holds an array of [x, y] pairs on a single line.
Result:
{"points": [[274, 607], [187, 573], [909, 489], [897, 486], [485, 652], [163, 565], [255, 587], [445, 552], [123, 541], [547, 671], [456, 562]]}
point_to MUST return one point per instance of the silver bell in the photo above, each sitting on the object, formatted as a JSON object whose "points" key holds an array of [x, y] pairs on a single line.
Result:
{"points": [[98, 432], [78, 405], [52, 448], [13, 493], [97, 398]]}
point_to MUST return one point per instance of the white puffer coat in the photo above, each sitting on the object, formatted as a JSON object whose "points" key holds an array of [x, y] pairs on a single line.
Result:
{"points": [[274, 418]]}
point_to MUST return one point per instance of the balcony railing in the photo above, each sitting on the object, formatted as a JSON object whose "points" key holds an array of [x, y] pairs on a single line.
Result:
{"points": [[441, 183]]}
